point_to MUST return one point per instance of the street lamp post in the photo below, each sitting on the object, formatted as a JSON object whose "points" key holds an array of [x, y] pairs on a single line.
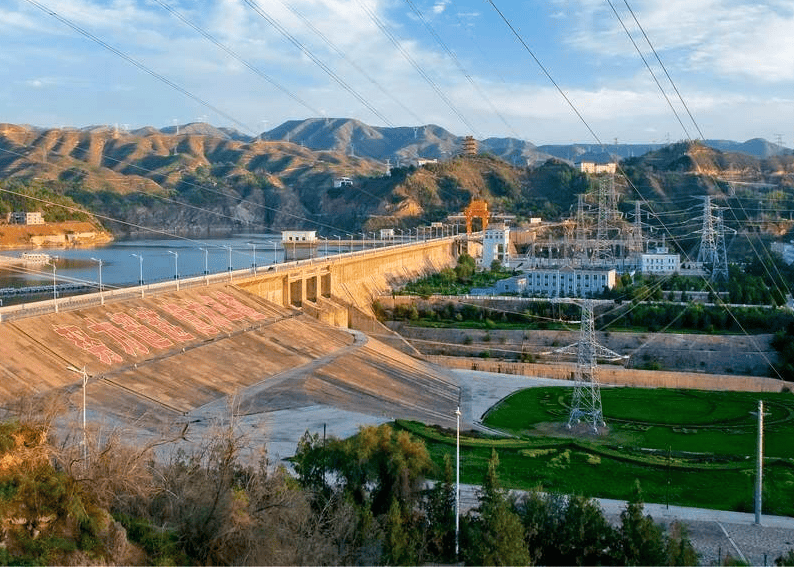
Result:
{"points": [[176, 267], [253, 247], [54, 288], [206, 271], [101, 295], [274, 252], [140, 276], [325, 238], [84, 375], [229, 248], [457, 481]]}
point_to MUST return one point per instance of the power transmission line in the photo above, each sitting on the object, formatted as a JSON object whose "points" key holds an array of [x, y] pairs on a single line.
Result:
{"points": [[305, 50], [138, 64], [460, 67], [350, 62], [658, 84], [237, 57], [669, 78], [390, 36], [194, 185]]}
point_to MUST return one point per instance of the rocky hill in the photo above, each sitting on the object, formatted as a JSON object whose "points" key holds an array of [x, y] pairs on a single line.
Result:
{"points": [[204, 178]]}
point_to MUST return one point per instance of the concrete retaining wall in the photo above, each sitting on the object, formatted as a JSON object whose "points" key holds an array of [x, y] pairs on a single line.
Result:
{"points": [[620, 376]]}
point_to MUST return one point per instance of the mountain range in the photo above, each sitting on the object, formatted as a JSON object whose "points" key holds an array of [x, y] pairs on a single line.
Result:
{"points": [[205, 178], [402, 144]]}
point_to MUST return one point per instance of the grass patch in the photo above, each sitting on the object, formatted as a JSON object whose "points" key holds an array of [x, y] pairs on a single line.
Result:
{"points": [[686, 447]]}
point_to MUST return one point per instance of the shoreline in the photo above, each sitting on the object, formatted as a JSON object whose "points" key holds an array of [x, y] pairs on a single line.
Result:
{"points": [[68, 234]]}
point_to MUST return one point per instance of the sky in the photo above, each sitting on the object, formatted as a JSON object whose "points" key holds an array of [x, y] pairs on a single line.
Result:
{"points": [[253, 64]]}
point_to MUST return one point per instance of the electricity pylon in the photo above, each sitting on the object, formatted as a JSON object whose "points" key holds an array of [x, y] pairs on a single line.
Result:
{"points": [[586, 402], [712, 241]]}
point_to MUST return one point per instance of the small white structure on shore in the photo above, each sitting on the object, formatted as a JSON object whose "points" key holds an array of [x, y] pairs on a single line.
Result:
{"points": [[298, 236], [496, 244]]}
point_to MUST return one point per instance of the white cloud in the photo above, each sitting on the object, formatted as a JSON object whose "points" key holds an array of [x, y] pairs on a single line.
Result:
{"points": [[440, 6], [730, 38]]}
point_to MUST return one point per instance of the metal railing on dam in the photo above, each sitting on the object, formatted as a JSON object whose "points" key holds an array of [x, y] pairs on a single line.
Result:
{"points": [[71, 303]]}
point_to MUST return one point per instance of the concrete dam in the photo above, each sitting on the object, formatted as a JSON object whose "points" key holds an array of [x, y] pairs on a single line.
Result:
{"points": [[284, 338]]}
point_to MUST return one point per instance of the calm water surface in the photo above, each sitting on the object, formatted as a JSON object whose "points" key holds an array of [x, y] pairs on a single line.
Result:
{"points": [[121, 268]]}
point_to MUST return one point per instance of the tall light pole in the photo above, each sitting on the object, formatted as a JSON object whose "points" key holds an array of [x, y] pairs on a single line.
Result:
{"points": [[229, 248], [206, 271], [54, 287], [140, 277], [176, 267], [253, 248], [457, 481], [84, 374], [101, 295], [759, 472], [274, 252], [326, 244]]}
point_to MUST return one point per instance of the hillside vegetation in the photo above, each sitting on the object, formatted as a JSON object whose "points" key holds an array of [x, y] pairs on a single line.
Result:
{"points": [[206, 179]]}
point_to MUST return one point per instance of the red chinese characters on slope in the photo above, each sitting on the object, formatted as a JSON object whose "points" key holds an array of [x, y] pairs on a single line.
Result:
{"points": [[142, 328]]}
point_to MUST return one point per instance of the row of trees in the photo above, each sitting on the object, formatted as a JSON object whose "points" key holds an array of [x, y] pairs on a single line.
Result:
{"points": [[381, 472], [362, 500]]}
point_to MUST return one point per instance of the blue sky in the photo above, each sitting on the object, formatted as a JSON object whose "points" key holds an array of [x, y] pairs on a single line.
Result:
{"points": [[732, 60]]}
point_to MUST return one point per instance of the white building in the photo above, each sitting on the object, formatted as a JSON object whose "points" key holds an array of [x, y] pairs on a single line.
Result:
{"points": [[25, 217], [298, 236], [562, 282], [596, 168], [343, 182], [784, 249], [386, 233], [496, 244], [660, 261]]}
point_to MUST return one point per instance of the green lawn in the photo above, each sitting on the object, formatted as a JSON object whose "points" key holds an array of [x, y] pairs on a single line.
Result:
{"points": [[692, 448]]}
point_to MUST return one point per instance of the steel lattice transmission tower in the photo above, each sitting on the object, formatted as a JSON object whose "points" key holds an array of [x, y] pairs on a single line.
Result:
{"points": [[708, 237], [586, 402], [601, 247], [712, 241], [720, 269], [580, 245]]}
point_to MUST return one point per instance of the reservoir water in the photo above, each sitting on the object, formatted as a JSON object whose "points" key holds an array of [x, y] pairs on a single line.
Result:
{"points": [[121, 264]]}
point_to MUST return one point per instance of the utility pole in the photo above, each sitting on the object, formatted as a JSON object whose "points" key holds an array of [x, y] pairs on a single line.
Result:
{"points": [[206, 271], [140, 277], [759, 468], [84, 375], [457, 483]]}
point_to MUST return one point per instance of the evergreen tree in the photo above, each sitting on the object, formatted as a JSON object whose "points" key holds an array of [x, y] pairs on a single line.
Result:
{"points": [[641, 540], [498, 537], [439, 509]]}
